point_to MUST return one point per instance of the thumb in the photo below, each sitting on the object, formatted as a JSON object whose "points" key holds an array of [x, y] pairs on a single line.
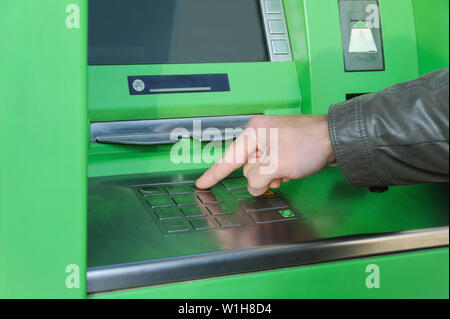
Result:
{"points": [[258, 183]]}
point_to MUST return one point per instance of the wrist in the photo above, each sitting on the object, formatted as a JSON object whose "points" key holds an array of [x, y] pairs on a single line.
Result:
{"points": [[327, 145]]}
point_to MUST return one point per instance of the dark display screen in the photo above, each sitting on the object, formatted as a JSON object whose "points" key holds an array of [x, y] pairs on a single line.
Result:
{"points": [[125, 32]]}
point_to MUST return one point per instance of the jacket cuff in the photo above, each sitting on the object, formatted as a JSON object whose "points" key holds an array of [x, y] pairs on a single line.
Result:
{"points": [[351, 144]]}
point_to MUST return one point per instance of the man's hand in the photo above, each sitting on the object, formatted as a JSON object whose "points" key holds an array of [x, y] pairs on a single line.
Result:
{"points": [[302, 148]]}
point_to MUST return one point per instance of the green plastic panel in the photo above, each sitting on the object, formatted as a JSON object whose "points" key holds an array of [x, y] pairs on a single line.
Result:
{"points": [[432, 30], [44, 143], [317, 47], [107, 160], [327, 82], [255, 88], [400, 276], [335, 208], [43, 148]]}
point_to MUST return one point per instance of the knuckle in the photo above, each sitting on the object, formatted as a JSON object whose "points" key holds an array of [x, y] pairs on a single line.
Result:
{"points": [[252, 181]]}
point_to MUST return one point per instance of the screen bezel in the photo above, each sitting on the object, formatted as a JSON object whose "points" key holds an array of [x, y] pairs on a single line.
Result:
{"points": [[176, 32], [256, 87]]}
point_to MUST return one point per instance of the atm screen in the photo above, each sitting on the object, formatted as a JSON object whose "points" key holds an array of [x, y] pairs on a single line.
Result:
{"points": [[123, 32]]}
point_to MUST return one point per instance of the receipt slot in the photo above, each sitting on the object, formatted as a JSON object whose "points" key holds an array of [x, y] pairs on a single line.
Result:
{"points": [[361, 35]]}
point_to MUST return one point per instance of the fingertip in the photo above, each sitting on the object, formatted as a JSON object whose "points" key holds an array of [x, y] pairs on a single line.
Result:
{"points": [[210, 178], [257, 192], [199, 184], [203, 181]]}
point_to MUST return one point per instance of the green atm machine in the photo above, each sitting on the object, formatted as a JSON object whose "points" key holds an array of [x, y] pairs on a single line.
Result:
{"points": [[99, 98]]}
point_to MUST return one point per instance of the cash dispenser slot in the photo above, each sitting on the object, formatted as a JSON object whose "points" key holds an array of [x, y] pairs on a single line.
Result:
{"points": [[168, 131]]}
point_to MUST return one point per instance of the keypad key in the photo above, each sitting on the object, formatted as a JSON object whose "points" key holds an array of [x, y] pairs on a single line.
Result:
{"points": [[156, 202], [152, 191], [219, 209], [185, 200], [208, 198], [272, 216], [176, 226], [228, 221], [167, 213], [177, 189], [261, 204], [269, 193], [235, 183], [194, 189], [192, 211], [242, 194], [286, 213], [273, 6], [202, 224]]}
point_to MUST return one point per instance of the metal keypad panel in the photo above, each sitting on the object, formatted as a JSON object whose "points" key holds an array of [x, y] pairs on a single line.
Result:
{"points": [[276, 30], [181, 207]]}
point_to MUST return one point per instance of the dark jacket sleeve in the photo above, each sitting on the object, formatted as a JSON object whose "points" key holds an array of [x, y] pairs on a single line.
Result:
{"points": [[398, 136]]}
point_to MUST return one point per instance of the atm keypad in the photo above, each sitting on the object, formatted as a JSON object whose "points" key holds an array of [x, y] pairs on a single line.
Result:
{"points": [[181, 207]]}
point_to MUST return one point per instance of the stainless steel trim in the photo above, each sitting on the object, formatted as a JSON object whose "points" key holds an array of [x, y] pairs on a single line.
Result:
{"points": [[154, 272], [156, 132], [271, 36]]}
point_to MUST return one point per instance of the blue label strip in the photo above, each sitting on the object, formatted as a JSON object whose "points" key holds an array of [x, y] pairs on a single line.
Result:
{"points": [[170, 84]]}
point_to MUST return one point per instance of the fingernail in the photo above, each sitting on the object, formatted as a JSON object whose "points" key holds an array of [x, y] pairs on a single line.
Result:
{"points": [[255, 192]]}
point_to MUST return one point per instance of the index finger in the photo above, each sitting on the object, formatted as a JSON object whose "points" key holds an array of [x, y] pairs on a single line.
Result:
{"points": [[234, 157]]}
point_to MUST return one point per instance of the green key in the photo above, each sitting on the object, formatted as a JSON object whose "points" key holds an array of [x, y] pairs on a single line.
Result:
{"points": [[152, 191], [177, 189], [167, 213], [242, 194], [192, 211], [155, 202], [235, 183], [185, 200], [228, 221], [202, 224], [287, 213], [176, 226]]}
